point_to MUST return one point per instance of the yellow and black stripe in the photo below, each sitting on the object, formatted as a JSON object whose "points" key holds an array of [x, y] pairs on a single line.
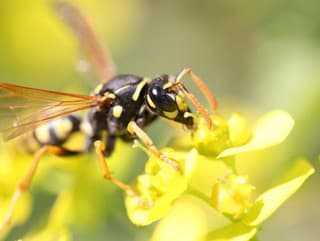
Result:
{"points": [[57, 131]]}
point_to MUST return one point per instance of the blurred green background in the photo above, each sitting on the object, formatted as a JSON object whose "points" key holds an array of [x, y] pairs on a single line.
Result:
{"points": [[254, 55]]}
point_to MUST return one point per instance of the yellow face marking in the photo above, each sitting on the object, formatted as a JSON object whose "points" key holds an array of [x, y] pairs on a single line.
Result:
{"points": [[171, 96], [62, 128], [150, 102], [117, 111], [98, 88], [167, 85], [180, 100], [171, 115], [136, 94], [187, 114], [42, 133]]}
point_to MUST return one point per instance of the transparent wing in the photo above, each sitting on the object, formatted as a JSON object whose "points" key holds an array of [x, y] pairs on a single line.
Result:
{"points": [[22, 109], [100, 59]]}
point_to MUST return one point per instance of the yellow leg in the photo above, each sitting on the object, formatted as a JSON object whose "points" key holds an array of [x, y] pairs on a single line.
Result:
{"points": [[134, 129], [100, 147], [25, 182]]}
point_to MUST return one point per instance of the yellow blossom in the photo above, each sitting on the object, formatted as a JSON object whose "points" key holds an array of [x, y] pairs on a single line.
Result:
{"points": [[158, 187], [213, 141], [232, 195]]}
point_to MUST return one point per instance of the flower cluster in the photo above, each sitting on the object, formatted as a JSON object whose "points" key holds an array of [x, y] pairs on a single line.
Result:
{"points": [[209, 172], [158, 187]]}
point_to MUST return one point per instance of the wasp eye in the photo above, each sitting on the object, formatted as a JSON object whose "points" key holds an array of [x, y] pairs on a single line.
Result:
{"points": [[161, 100]]}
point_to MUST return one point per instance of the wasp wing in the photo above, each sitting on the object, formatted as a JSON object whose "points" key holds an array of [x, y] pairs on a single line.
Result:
{"points": [[22, 109], [78, 23]]}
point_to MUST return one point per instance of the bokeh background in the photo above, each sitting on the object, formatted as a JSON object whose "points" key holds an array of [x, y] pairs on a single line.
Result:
{"points": [[254, 55]]}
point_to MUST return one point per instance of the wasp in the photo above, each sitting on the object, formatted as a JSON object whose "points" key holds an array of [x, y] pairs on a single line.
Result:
{"points": [[121, 107]]}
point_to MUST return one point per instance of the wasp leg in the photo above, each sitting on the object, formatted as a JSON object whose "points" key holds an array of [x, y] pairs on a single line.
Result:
{"points": [[100, 148], [134, 129], [25, 182], [201, 85]]}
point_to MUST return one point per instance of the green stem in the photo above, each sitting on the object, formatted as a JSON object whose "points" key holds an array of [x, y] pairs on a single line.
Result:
{"points": [[198, 194], [231, 163]]}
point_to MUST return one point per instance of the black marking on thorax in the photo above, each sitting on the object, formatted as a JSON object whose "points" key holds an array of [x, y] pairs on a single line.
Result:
{"points": [[130, 91]]}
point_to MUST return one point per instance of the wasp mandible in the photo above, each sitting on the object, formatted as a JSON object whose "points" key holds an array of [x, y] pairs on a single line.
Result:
{"points": [[122, 106]]}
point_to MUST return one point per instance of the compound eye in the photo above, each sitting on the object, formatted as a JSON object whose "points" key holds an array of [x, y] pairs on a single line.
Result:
{"points": [[161, 100]]}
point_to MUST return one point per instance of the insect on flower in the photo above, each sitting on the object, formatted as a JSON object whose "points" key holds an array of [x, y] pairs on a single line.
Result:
{"points": [[120, 107]]}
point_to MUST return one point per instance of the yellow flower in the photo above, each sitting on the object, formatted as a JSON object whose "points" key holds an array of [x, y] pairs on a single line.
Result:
{"points": [[271, 129], [158, 187], [213, 141], [228, 138], [232, 195], [264, 205]]}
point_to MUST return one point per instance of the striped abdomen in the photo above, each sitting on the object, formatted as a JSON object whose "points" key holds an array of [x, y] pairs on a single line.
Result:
{"points": [[58, 131]]}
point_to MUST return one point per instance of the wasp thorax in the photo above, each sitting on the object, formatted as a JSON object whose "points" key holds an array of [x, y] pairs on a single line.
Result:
{"points": [[167, 101]]}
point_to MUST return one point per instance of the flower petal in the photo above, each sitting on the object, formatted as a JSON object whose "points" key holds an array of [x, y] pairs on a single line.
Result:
{"points": [[233, 232], [142, 215], [270, 130], [239, 129], [186, 221], [273, 198]]}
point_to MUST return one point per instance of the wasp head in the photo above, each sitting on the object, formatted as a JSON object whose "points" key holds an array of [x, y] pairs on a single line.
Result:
{"points": [[168, 101]]}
